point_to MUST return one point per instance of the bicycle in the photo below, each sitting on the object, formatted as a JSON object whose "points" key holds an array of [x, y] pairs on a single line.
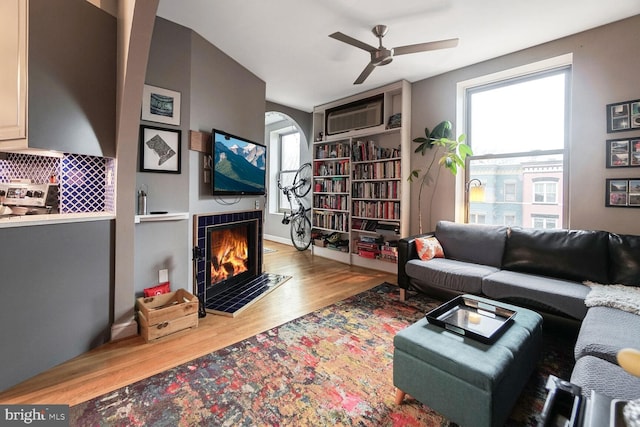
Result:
{"points": [[300, 223]]}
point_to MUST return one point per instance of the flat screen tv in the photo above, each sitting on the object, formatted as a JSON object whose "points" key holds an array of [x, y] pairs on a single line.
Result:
{"points": [[239, 165]]}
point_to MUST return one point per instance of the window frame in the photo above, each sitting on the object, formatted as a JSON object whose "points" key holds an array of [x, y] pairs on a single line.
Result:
{"points": [[282, 202], [562, 63], [545, 192]]}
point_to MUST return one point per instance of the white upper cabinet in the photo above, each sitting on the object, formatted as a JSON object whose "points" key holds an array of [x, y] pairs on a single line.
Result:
{"points": [[13, 72]]}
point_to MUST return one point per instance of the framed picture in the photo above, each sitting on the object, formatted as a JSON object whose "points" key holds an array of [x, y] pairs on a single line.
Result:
{"points": [[161, 105], [623, 192], [159, 150], [623, 116], [623, 153]]}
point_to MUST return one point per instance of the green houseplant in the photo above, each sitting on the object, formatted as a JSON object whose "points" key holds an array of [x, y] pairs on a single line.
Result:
{"points": [[450, 154]]}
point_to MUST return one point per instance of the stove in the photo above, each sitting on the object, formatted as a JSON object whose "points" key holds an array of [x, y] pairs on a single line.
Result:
{"points": [[25, 198]]}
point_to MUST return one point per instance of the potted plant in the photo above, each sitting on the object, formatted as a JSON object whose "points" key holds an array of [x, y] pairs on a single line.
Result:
{"points": [[450, 154]]}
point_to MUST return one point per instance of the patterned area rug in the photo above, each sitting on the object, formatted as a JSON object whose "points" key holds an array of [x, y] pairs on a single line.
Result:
{"points": [[330, 367]]}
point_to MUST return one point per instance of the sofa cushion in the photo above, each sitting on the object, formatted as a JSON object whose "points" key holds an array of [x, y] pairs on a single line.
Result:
{"points": [[566, 254], [449, 274], [606, 378], [478, 244], [605, 331], [624, 259], [562, 295]]}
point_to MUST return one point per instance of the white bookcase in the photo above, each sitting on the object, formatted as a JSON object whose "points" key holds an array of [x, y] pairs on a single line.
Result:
{"points": [[360, 189]]}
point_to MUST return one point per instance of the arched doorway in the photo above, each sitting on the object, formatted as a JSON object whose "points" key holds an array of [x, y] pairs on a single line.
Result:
{"points": [[288, 148]]}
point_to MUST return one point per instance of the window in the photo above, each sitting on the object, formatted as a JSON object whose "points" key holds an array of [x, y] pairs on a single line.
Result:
{"points": [[517, 129], [509, 219], [476, 218], [542, 222], [509, 191], [545, 192], [289, 162]]}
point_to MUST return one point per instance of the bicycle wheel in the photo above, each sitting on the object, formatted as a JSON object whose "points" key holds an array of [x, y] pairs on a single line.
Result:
{"points": [[301, 232], [302, 180]]}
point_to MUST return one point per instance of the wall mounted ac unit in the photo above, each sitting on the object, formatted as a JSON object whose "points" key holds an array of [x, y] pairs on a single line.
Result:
{"points": [[357, 115]]}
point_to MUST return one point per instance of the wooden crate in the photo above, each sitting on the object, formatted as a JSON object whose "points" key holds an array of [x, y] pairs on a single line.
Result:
{"points": [[161, 315]]}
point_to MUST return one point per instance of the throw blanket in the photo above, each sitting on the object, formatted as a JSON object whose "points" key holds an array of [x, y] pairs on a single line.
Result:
{"points": [[622, 297]]}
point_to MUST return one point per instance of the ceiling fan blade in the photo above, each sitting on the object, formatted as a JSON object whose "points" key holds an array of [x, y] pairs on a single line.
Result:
{"points": [[365, 73], [422, 47], [353, 42]]}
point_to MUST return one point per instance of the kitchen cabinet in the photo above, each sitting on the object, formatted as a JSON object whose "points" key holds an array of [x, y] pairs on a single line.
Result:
{"points": [[13, 69], [71, 79]]}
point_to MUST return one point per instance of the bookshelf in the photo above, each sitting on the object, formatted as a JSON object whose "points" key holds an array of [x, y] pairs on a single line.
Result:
{"points": [[361, 191]]}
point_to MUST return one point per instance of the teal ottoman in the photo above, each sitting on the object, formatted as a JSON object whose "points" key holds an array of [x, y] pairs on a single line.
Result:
{"points": [[468, 382]]}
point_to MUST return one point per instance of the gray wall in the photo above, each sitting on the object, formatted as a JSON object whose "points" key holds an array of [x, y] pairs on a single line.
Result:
{"points": [[216, 92], [72, 77], [605, 70], [55, 295], [164, 245]]}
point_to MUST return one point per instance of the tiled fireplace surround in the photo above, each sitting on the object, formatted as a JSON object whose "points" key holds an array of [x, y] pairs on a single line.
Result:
{"points": [[202, 221]]}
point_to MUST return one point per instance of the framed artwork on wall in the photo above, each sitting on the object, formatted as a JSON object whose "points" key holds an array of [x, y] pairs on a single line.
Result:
{"points": [[623, 116], [623, 152], [623, 192], [159, 149], [161, 105]]}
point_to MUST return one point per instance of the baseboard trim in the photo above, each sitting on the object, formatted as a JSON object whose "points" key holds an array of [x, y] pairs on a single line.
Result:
{"points": [[124, 330], [278, 239]]}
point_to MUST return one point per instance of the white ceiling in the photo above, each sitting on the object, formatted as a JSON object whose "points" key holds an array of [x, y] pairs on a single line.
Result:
{"points": [[286, 43]]}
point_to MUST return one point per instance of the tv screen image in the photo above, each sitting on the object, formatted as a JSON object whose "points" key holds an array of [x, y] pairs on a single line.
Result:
{"points": [[239, 165]]}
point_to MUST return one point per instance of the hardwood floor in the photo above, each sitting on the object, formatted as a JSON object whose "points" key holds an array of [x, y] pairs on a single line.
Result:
{"points": [[316, 283]]}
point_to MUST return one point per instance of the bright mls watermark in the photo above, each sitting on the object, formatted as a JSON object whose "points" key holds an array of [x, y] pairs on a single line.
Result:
{"points": [[38, 415]]}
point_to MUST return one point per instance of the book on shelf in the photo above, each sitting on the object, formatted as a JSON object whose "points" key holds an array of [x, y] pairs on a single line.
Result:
{"points": [[332, 150], [367, 254], [369, 150]]}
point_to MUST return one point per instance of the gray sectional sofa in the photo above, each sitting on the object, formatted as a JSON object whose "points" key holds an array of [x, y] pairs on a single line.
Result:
{"points": [[544, 270]]}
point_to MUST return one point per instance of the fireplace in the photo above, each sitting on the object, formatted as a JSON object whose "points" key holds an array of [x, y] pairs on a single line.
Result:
{"points": [[227, 261], [231, 255]]}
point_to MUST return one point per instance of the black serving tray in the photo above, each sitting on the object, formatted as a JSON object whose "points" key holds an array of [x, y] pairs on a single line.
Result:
{"points": [[472, 318]]}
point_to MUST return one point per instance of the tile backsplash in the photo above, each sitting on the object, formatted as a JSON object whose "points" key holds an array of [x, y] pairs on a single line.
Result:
{"points": [[87, 183]]}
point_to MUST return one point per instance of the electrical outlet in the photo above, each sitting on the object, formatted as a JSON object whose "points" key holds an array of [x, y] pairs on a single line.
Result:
{"points": [[163, 275], [257, 204]]}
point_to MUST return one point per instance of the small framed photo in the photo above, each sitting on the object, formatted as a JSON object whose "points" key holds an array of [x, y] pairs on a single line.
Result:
{"points": [[161, 105], [618, 153], [623, 116], [634, 146], [635, 115], [159, 149], [623, 192]]}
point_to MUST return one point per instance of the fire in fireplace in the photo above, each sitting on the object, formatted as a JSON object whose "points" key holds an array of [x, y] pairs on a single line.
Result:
{"points": [[231, 255]]}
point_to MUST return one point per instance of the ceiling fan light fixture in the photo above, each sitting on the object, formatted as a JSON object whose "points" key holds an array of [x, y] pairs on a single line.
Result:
{"points": [[382, 57]]}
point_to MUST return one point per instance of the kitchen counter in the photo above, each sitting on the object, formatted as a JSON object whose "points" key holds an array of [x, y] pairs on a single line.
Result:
{"points": [[30, 220]]}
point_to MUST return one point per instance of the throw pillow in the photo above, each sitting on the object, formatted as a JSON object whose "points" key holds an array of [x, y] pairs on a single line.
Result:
{"points": [[428, 248]]}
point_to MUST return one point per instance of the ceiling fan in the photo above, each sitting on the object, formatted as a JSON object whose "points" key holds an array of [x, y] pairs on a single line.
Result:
{"points": [[381, 55]]}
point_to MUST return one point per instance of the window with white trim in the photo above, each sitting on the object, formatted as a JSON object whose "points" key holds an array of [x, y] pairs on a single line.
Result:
{"points": [[510, 191], [517, 129], [289, 162], [477, 218], [544, 222], [545, 192]]}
